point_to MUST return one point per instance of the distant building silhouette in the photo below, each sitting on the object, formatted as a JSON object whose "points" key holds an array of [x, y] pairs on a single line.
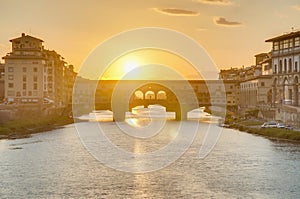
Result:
{"points": [[254, 82]]}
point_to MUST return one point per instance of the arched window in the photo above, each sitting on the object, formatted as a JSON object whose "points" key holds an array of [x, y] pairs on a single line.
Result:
{"points": [[296, 91], [286, 91], [161, 95], [280, 66], [290, 65], [138, 95], [285, 66], [150, 95]]}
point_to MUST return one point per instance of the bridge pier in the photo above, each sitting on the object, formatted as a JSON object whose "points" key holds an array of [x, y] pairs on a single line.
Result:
{"points": [[119, 114], [181, 115], [118, 117]]}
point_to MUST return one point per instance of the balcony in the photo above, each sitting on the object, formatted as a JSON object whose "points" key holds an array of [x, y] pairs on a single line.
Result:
{"points": [[285, 52]]}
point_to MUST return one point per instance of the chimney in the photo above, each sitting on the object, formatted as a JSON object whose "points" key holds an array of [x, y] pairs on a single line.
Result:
{"points": [[23, 34]]}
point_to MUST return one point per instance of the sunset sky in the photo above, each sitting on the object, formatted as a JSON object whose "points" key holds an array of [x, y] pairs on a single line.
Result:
{"points": [[231, 31]]}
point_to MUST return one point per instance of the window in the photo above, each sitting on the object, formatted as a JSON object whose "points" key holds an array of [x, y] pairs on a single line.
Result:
{"points": [[285, 44], [275, 68], [276, 46], [35, 69], [297, 41], [296, 66], [18, 94], [24, 78], [280, 67], [10, 85], [24, 69], [285, 66], [24, 86], [291, 43], [10, 69], [262, 83], [35, 86], [11, 93], [10, 77], [281, 45], [35, 78], [290, 65]]}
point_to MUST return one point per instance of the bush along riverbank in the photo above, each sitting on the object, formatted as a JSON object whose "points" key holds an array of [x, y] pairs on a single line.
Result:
{"points": [[25, 127], [253, 127]]}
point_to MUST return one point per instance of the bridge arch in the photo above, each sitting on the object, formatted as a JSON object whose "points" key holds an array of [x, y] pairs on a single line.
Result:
{"points": [[154, 94], [139, 95], [179, 102], [161, 95], [150, 95]]}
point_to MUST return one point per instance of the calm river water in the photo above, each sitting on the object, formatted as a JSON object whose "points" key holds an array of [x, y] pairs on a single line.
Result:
{"points": [[56, 165]]}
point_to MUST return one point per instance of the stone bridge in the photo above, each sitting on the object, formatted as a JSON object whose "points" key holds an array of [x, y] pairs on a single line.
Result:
{"points": [[129, 94], [179, 96]]}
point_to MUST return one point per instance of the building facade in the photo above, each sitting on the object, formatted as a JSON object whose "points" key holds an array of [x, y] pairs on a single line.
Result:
{"points": [[34, 75], [285, 65], [254, 83], [286, 74], [256, 92], [1, 81]]}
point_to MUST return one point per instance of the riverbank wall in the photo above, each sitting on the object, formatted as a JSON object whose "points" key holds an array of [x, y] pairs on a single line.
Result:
{"points": [[274, 133]]}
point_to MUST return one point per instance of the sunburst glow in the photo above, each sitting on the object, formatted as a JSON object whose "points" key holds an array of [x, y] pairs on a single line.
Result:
{"points": [[130, 65]]}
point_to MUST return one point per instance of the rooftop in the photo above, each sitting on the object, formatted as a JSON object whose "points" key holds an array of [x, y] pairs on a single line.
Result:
{"points": [[27, 36], [284, 36]]}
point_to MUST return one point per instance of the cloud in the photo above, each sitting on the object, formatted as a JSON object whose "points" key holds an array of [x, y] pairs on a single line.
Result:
{"points": [[297, 7], [280, 15], [224, 22], [215, 2], [176, 12], [201, 29]]}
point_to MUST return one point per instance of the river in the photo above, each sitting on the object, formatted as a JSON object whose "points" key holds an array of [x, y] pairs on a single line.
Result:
{"points": [[55, 164]]}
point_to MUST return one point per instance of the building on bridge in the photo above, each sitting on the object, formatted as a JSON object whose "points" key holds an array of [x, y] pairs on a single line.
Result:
{"points": [[166, 93]]}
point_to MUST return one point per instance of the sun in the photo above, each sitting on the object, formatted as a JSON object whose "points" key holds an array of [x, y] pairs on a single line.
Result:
{"points": [[147, 64], [130, 65]]}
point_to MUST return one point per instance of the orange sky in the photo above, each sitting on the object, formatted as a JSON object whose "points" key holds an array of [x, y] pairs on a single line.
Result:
{"points": [[231, 31], [150, 58]]}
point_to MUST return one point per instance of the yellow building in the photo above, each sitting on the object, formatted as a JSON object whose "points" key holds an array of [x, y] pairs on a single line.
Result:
{"points": [[34, 75], [1, 81], [285, 64], [285, 80]]}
